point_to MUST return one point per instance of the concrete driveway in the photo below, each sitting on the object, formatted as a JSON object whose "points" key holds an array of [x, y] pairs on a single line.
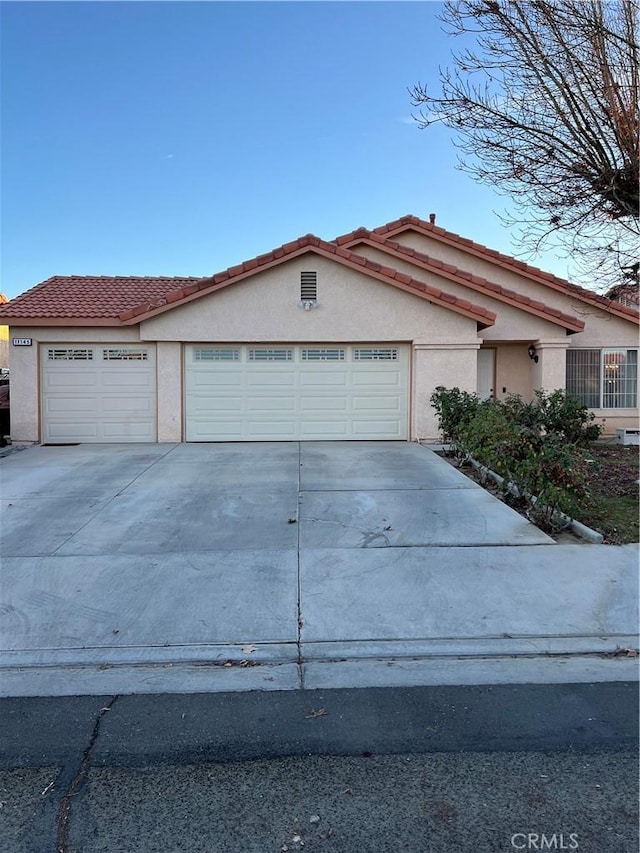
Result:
{"points": [[198, 567]]}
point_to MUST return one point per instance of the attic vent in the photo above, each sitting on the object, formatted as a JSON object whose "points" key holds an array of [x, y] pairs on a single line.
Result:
{"points": [[308, 286], [125, 355], [70, 355]]}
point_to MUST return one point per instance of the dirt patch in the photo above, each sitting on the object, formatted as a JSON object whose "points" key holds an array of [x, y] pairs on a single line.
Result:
{"points": [[614, 471]]}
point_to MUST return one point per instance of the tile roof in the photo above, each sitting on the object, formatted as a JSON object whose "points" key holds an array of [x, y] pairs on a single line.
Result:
{"points": [[409, 222], [89, 297], [475, 282], [290, 250], [112, 300]]}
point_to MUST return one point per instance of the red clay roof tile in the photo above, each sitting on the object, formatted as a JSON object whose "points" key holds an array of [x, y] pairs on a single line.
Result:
{"points": [[293, 248], [91, 297], [561, 284], [129, 297], [478, 283]]}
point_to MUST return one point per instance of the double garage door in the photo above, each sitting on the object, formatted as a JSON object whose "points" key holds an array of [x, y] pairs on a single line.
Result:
{"points": [[107, 392], [296, 392]]}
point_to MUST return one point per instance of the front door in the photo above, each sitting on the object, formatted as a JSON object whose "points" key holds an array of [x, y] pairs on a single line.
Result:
{"points": [[486, 373]]}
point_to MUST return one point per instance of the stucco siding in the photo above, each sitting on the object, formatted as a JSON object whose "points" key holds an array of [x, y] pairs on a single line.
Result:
{"points": [[169, 360], [351, 307], [604, 330], [511, 323], [25, 384], [601, 328], [439, 365]]}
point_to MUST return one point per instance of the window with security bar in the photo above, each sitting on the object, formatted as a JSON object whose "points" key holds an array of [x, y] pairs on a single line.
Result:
{"points": [[322, 354], [70, 355], [375, 354], [125, 355], [216, 354], [603, 379], [270, 354]]}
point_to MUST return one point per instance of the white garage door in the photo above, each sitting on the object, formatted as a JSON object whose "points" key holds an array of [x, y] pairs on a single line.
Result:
{"points": [[293, 392], [98, 392]]}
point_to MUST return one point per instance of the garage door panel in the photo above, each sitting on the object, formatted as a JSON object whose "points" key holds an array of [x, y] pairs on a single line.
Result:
{"points": [[70, 380], [137, 407], [324, 379], [324, 404], [129, 380], [389, 378], [367, 429], [266, 405], [77, 431], [203, 379], [276, 430], [377, 404], [269, 378], [98, 393], [317, 430], [225, 430], [70, 406], [127, 430], [217, 405]]}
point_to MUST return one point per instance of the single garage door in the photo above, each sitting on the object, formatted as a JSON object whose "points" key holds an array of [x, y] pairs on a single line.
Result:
{"points": [[98, 392], [296, 392]]}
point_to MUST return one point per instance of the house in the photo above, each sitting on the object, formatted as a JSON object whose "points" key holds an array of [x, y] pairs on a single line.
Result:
{"points": [[318, 340], [626, 293], [4, 339]]}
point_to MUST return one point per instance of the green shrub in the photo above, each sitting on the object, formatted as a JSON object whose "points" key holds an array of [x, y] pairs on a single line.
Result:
{"points": [[564, 415], [535, 446], [490, 438], [455, 409], [554, 473]]}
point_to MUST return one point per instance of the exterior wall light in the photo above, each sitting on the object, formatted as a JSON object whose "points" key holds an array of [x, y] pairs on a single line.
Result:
{"points": [[308, 304], [532, 353]]}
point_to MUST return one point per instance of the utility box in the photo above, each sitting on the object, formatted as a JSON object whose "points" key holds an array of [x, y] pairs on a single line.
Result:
{"points": [[628, 436]]}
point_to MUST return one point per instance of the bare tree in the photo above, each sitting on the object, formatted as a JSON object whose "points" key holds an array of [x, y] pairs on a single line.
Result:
{"points": [[545, 107]]}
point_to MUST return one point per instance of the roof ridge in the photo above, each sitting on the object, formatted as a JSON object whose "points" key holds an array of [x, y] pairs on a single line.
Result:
{"points": [[538, 274], [119, 277], [240, 271], [491, 286]]}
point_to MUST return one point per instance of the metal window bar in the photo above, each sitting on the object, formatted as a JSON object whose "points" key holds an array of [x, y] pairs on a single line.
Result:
{"points": [[583, 376], [619, 378], [125, 355], [375, 354], [216, 354], [270, 355], [323, 355], [70, 355]]}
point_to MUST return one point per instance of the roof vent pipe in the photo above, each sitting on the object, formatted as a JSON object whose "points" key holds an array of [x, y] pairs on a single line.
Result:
{"points": [[432, 218]]}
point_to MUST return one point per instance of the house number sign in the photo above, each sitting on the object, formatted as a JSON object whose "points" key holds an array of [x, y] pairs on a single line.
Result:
{"points": [[21, 342]]}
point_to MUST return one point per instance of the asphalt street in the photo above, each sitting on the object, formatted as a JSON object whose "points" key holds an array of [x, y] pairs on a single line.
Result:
{"points": [[437, 769]]}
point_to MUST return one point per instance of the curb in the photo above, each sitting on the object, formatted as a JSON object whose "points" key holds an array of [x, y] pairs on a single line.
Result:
{"points": [[581, 530]]}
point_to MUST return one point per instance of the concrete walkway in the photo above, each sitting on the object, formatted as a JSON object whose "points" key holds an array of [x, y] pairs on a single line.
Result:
{"points": [[276, 566]]}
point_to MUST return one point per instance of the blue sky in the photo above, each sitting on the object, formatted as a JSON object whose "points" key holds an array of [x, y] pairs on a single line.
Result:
{"points": [[179, 138]]}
